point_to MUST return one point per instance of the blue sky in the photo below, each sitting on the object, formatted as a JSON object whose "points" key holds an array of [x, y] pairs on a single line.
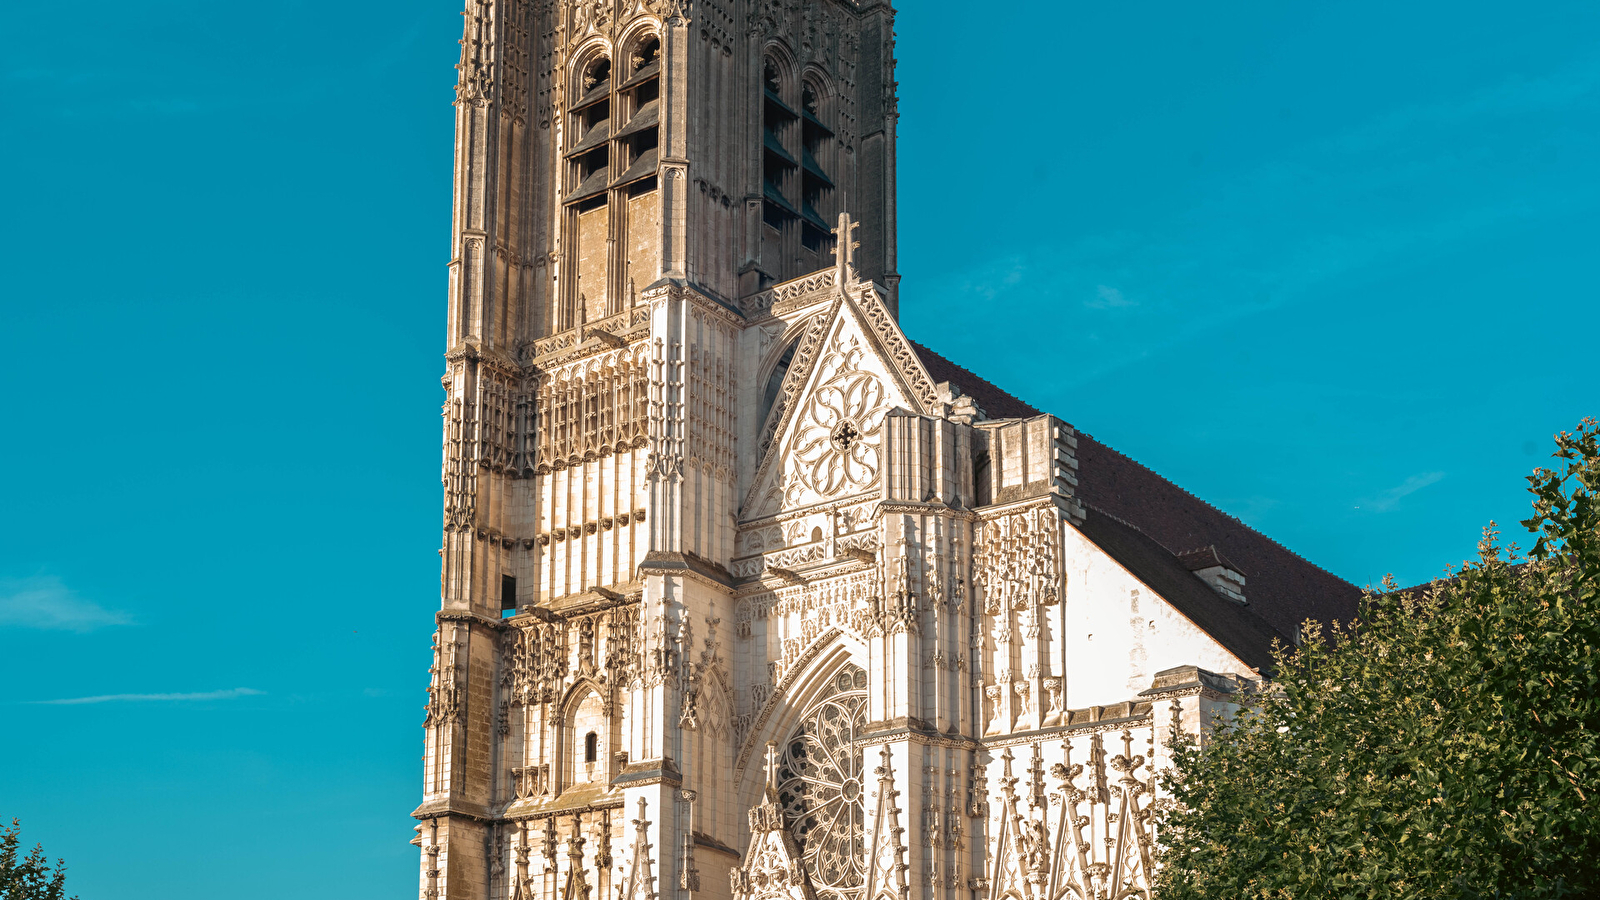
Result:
{"points": [[1328, 266]]}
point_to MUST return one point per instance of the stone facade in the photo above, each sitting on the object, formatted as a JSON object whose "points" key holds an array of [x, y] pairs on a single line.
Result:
{"points": [[738, 599]]}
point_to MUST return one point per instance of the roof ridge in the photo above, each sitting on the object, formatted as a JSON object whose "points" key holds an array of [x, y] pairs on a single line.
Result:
{"points": [[924, 348], [921, 347], [1208, 505]]}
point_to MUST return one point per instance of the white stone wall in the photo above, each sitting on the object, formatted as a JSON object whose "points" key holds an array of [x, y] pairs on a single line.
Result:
{"points": [[1117, 633]]}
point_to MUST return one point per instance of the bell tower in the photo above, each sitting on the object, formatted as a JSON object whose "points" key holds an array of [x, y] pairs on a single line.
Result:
{"points": [[604, 145], [632, 179]]}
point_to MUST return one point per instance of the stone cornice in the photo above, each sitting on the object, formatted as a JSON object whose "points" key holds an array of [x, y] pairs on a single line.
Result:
{"points": [[1038, 734], [917, 731], [464, 615], [602, 335], [575, 606], [522, 812], [659, 562], [452, 808], [470, 350], [664, 290]]}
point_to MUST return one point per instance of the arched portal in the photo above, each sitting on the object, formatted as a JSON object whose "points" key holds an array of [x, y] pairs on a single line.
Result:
{"points": [[820, 787]]}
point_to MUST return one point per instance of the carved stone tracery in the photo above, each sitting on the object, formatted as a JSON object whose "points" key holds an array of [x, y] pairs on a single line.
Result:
{"points": [[820, 787]]}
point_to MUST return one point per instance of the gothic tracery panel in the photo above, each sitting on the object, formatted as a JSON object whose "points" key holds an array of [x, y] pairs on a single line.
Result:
{"points": [[820, 788], [836, 446]]}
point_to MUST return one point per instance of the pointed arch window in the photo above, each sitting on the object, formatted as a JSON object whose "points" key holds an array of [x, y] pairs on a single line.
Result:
{"points": [[778, 160], [775, 380], [638, 135], [816, 188], [820, 787], [591, 125]]}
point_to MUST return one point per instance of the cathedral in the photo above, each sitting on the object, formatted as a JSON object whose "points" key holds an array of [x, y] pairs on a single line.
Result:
{"points": [[746, 594]]}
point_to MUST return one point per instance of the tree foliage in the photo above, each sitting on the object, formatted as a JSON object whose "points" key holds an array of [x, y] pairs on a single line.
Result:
{"points": [[1446, 744], [30, 878]]}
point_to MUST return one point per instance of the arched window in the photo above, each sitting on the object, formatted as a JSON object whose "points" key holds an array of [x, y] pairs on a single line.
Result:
{"points": [[775, 381], [586, 742], [590, 153], [589, 166], [778, 163], [816, 187], [638, 96]]}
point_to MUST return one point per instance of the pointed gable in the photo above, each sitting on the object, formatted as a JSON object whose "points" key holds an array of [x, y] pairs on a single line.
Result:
{"points": [[822, 438], [772, 868]]}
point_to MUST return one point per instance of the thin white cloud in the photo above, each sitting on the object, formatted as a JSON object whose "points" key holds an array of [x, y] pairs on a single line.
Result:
{"points": [[44, 602], [1107, 297], [230, 694], [1388, 500]]}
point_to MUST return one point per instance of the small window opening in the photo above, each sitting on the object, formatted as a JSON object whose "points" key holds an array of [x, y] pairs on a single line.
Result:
{"points": [[980, 475], [508, 594], [649, 51], [598, 73], [816, 534], [591, 747]]}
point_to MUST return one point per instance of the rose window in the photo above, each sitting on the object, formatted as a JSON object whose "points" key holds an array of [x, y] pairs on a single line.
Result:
{"points": [[821, 792]]}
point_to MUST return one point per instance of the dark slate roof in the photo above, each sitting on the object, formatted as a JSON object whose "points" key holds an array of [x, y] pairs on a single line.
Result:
{"points": [[1206, 557], [1233, 625], [1284, 588]]}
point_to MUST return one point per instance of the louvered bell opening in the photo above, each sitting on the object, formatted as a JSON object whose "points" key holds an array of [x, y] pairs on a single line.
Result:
{"points": [[596, 136], [590, 157], [593, 171], [644, 63], [776, 210], [648, 116], [645, 73], [815, 185], [643, 166]]}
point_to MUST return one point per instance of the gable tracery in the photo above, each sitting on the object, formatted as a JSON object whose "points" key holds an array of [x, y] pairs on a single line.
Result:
{"points": [[837, 439]]}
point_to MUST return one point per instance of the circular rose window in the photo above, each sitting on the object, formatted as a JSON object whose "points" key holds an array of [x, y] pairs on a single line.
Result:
{"points": [[820, 788]]}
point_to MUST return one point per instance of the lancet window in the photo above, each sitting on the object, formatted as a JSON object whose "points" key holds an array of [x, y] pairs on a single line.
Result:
{"points": [[612, 153], [640, 101], [778, 162], [816, 188], [775, 381], [591, 126]]}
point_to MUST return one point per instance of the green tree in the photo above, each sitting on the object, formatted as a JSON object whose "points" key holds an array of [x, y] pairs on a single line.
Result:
{"points": [[30, 878], [1443, 745]]}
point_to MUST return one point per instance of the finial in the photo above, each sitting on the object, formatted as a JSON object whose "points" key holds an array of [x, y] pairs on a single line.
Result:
{"points": [[844, 245], [772, 766]]}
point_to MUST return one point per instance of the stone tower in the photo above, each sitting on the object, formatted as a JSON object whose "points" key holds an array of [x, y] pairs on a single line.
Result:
{"points": [[744, 595], [626, 171]]}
